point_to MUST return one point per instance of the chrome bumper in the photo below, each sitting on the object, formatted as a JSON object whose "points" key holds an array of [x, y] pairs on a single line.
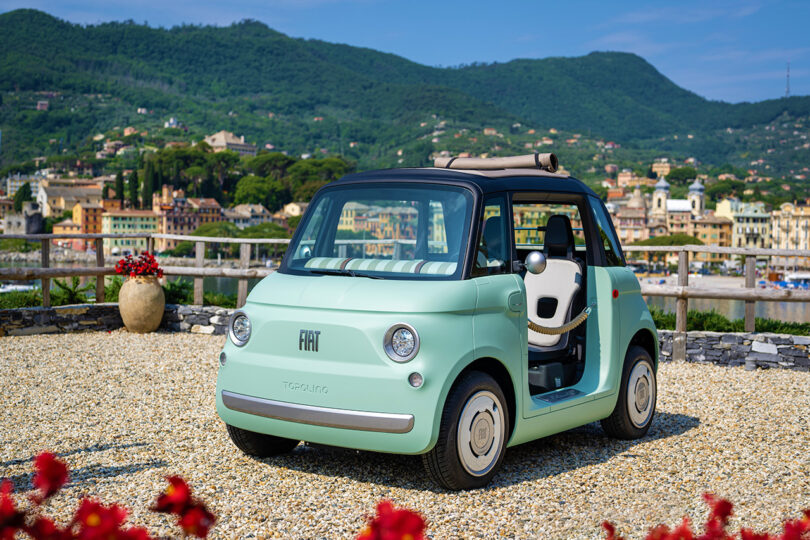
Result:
{"points": [[318, 416]]}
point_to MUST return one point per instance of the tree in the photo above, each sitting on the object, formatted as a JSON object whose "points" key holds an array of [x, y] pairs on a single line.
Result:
{"points": [[148, 187], [22, 195], [119, 187], [273, 164], [105, 191], [681, 174], [252, 190], [133, 189]]}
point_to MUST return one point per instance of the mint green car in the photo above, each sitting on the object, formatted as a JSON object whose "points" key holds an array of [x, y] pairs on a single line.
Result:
{"points": [[449, 312]]}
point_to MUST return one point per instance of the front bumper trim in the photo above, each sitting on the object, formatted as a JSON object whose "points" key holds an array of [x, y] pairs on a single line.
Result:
{"points": [[318, 416]]}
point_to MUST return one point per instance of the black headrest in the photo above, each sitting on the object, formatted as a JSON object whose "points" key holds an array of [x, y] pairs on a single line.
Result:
{"points": [[559, 240], [493, 229]]}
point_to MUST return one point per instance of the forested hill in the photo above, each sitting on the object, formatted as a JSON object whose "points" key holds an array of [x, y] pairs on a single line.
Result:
{"points": [[231, 77]]}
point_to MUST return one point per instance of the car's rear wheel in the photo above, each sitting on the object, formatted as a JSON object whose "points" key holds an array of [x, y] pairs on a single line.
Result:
{"points": [[635, 408], [259, 444], [472, 435]]}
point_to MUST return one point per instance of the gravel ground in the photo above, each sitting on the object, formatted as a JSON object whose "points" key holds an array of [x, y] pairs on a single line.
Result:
{"points": [[126, 410]]}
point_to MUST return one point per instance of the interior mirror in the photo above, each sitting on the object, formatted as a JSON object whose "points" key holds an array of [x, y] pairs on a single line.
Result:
{"points": [[535, 262]]}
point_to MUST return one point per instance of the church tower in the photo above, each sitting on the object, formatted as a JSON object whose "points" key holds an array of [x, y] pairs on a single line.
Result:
{"points": [[659, 200], [697, 198]]}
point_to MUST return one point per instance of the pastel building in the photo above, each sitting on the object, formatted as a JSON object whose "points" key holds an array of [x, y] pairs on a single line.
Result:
{"points": [[127, 222], [751, 222]]}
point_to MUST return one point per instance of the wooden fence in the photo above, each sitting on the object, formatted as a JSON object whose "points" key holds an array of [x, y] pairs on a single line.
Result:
{"points": [[45, 272], [682, 292]]}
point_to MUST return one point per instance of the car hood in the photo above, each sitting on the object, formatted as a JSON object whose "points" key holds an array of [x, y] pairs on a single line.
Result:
{"points": [[364, 294]]}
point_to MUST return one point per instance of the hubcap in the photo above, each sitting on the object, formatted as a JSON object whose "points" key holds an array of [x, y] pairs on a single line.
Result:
{"points": [[641, 394], [480, 433]]}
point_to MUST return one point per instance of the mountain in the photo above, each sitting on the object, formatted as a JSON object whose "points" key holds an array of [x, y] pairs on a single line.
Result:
{"points": [[251, 79]]}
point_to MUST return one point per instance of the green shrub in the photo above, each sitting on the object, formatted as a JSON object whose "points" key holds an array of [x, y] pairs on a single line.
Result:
{"points": [[179, 291], [18, 245], [712, 321], [20, 299], [67, 294], [112, 288], [219, 299]]}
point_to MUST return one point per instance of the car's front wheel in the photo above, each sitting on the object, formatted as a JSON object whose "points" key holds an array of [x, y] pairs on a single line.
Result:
{"points": [[259, 444], [635, 408], [472, 435]]}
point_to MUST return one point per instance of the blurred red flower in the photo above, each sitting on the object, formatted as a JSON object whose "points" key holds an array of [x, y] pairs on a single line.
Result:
{"points": [[393, 524], [196, 520], [175, 499], [99, 522], [45, 529], [51, 475], [11, 519]]}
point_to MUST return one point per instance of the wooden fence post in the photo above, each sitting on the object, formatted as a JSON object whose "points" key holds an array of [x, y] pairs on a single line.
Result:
{"points": [[199, 259], [681, 309], [100, 264], [46, 282], [750, 282], [244, 262]]}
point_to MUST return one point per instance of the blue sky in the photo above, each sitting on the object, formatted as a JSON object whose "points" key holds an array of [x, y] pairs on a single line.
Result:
{"points": [[726, 50]]}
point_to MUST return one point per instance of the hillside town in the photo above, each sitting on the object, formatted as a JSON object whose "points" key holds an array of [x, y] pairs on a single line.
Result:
{"points": [[642, 208]]}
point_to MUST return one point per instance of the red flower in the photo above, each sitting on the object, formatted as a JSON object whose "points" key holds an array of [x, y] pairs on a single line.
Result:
{"points": [[393, 524], [721, 509], [99, 522], [745, 534], [51, 474], [11, 519], [134, 533], [176, 499], [611, 531], [45, 529], [145, 265], [196, 520]]}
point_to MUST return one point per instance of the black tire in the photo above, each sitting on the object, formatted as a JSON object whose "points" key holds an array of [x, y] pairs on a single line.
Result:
{"points": [[632, 420], [259, 444], [474, 391]]}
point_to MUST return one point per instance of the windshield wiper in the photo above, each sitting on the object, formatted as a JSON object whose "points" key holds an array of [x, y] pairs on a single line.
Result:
{"points": [[344, 272]]}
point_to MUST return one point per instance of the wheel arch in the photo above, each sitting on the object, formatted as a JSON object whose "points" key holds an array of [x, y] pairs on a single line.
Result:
{"points": [[647, 340], [498, 371]]}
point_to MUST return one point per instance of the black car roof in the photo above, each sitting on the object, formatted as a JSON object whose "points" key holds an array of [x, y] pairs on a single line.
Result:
{"points": [[487, 181]]}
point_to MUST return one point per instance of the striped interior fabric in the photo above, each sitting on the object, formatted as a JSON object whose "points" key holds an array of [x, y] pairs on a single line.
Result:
{"points": [[417, 266]]}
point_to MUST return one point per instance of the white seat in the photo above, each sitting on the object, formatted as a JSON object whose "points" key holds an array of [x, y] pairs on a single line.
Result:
{"points": [[557, 286], [561, 281]]}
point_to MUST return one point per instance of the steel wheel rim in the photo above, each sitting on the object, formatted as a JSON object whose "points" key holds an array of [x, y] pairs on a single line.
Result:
{"points": [[641, 394], [480, 433]]}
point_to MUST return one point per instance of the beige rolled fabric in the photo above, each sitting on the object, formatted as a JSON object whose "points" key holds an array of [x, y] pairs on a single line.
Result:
{"points": [[529, 161]]}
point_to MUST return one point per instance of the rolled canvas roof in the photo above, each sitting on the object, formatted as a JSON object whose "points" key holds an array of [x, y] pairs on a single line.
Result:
{"points": [[529, 161]]}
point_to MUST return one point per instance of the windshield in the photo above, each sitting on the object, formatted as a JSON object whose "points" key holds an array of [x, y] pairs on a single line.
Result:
{"points": [[405, 231]]}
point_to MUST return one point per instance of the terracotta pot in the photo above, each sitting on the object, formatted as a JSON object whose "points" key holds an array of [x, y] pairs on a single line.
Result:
{"points": [[141, 303]]}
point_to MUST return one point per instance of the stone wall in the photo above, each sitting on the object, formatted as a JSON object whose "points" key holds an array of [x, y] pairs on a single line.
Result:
{"points": [[749, 350], [55, 320], [196, 319], [101, 317]]}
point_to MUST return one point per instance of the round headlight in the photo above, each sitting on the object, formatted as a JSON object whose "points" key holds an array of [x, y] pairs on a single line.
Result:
{"points": [[240, 328], [401, 342]]}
